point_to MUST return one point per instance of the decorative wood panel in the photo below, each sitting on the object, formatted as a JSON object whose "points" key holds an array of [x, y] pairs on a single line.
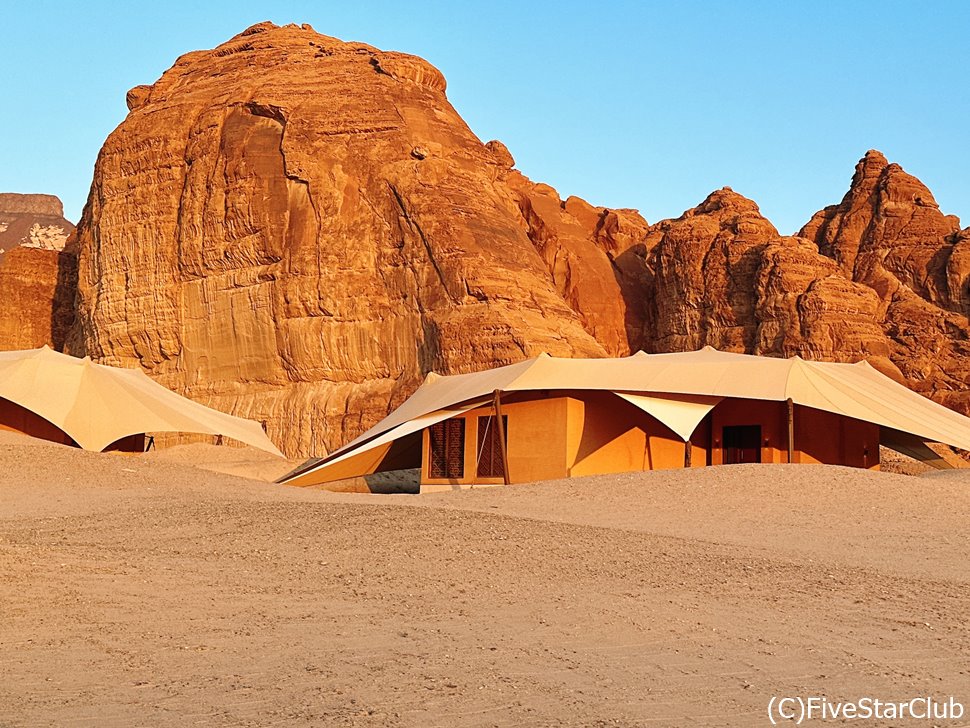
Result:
{"points": [[447, 441]]}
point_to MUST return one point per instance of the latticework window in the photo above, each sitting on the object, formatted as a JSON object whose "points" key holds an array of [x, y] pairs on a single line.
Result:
{"points": [[447, 440], [490, 448]]}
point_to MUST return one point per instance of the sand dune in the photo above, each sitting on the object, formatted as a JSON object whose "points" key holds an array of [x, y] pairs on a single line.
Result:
{"points": [[142, 591]]}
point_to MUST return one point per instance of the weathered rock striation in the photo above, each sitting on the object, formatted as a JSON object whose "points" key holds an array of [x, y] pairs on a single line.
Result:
{"points": [[882, 276], [296, 229], [37, 276], [723, 277], [889, 234]]}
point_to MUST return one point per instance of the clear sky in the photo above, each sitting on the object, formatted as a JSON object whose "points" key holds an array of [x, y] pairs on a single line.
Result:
{"points": [[628, 104]]}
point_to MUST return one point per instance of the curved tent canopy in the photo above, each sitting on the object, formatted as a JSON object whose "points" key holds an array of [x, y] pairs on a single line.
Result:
{"points": [[97, 405], [680, 388]]}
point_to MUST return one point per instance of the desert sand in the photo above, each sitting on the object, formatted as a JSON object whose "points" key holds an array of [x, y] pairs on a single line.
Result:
{"points": [[140, 590]]}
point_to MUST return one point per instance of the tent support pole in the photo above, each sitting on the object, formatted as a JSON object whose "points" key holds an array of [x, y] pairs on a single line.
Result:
{"points": [[497, 404], [687, 453], [791, 430]]}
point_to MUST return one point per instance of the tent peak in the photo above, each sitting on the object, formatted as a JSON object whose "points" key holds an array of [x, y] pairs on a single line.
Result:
{"points": [[431, 377]]}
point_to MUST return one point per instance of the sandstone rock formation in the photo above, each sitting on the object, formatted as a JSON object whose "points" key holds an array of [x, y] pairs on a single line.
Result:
{"points": [[889, 234], [296, 229], [36, 221], [723, 277], [37, 279], [589, 253], [883, 276]]}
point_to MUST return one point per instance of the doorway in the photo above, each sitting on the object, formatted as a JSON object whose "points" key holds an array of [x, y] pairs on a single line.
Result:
{"points": [[742, 444]]}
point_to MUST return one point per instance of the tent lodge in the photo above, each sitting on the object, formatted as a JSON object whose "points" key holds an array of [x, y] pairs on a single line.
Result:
{"points": [[548, 418], [72, 401]]}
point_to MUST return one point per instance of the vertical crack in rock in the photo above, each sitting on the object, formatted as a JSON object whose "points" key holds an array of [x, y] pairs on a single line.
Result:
{"points": [[415, 227]]}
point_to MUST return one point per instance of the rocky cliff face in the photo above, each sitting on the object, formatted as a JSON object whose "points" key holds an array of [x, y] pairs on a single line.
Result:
{"points": [[37, 277], [889, 234], [882, 276], [725, 278], [297, 229]]}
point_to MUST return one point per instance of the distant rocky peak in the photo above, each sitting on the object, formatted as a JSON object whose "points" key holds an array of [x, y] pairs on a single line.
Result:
{"points": [[13, 203]]}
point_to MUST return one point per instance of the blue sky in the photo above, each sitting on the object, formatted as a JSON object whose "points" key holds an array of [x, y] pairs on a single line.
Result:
{"points": [[627, 104]]}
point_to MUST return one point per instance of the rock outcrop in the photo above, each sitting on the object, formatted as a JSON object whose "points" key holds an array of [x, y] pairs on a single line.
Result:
{"points": [[37, 276], [723, 277], [882, 276], [591, 254], [36, 221], [297, 229], [889, 234]]}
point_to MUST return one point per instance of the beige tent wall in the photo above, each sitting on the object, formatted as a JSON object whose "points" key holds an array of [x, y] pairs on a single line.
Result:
{"points": [[701, 443], [536, 439], [15, 418], [820, 437], [571, 433]]}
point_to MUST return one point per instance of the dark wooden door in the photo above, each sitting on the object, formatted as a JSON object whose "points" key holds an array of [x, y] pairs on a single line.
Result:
{"points": [[742, 444]]}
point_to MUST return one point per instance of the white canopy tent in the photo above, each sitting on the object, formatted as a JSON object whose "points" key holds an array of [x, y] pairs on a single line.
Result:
{"points": [[679, 389], [97, 405]]}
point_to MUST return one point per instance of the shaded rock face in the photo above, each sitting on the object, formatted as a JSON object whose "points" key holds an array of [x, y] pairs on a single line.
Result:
{"points": [[296, 229], [594, 256], [37, 276], [37, 306]]}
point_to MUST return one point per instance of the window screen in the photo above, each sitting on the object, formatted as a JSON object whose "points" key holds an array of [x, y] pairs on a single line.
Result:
{"points": [[447, 440], [489, 447]]}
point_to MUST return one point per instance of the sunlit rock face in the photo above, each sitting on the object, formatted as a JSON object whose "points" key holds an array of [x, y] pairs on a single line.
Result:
{"points": [[889, 234], [297, 229], [37, 276]]}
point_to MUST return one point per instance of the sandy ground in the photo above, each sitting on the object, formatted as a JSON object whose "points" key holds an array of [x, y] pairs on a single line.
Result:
{"points": [[138, 591], [244, 461]]}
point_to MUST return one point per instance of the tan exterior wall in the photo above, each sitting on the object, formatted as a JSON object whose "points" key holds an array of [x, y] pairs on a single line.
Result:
{"points": [[820, 437], [582, 433], [608, 435], [536, 443], [587, 433]]}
